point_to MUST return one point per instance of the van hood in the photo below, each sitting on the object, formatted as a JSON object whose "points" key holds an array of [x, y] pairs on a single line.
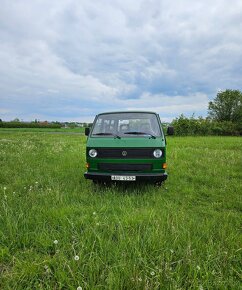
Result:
{"points": [[126, 142]]}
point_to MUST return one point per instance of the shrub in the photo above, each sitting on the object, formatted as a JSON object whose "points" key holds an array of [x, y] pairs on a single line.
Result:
{"points": [[199, 126], [28, 125]]}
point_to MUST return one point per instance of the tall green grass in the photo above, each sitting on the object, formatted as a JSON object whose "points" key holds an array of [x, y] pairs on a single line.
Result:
{"points": [[59, 231]]}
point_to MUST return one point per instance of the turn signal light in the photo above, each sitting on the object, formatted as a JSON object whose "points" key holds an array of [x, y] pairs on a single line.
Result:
{"points": [[164, 165], [87, 165]]}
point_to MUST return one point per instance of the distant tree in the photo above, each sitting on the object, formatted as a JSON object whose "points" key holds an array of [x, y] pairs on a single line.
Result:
{"points": [[55, 122], [227, 106], [16, 120], [72, 125], [1, 120]]}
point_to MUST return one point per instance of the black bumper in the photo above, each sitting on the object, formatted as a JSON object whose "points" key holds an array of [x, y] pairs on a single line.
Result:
{"points": [[154, 177]]}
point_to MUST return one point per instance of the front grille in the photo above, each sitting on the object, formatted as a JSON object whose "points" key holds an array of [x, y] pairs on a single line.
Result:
{"points": [[125, 153], [124, 167]]}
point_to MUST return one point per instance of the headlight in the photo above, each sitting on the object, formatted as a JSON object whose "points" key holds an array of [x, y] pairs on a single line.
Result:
{"points": [[157, 153], [92, 153]]}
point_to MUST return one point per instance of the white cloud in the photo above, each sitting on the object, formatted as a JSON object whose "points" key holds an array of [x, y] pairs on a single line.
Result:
{"points": [[170, 107]]}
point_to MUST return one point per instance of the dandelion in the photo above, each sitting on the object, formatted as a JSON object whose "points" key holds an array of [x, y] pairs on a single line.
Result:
{"points": [[4, 188], [79, 288], [76, 258], [152, 273], [13, 192], [199, 268], [55, 242], [94, 213], [36, 182], [47, 269]]}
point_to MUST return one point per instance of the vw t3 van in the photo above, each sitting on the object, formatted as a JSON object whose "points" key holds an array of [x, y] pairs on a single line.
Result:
{"points": [[126, 146]]}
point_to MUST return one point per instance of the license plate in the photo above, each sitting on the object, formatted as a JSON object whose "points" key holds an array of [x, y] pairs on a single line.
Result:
{"points": [[123, 178]]}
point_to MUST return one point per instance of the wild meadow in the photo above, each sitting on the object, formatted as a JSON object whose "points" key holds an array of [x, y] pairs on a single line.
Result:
{"points": [[60, 231]]}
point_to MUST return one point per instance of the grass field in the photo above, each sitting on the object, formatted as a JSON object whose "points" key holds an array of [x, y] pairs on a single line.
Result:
{"points": [[59, 231]]}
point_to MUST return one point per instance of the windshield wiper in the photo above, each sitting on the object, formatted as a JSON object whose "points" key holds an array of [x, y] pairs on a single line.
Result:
{"points": [[108, 134], [140, 133]]}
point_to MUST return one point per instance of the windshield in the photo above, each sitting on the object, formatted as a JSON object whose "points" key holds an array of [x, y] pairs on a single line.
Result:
{"points": [[126, 125]]}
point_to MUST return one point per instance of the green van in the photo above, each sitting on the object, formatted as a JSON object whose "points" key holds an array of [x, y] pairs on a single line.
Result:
{"points": [[126, 146]]}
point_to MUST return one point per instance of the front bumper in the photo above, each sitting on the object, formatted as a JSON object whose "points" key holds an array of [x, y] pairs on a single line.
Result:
{"points": [[154, 177]]}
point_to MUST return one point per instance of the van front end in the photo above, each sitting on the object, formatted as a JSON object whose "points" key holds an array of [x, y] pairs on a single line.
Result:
{"points": [[126, 146], [126, 164]]}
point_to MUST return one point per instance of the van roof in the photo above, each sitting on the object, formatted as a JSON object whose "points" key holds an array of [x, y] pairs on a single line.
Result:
{"points": [[118, 112]]}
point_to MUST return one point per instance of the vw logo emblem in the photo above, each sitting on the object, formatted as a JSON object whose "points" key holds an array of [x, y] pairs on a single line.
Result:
{"points": [[124, 153]]}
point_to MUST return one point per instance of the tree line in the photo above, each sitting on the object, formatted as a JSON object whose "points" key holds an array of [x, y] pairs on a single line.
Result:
{"points": [[14, 124], [224, 117]]}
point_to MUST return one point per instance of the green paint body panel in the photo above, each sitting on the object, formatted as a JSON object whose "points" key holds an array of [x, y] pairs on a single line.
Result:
{"points": [[129, 142], [111, 142]]}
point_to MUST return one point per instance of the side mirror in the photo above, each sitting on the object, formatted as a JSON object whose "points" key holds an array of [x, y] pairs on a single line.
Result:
{"points": [[170, 130], [87, 131]]}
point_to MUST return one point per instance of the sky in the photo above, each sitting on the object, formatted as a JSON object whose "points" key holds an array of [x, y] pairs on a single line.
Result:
{"points": [[68, 60]]}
